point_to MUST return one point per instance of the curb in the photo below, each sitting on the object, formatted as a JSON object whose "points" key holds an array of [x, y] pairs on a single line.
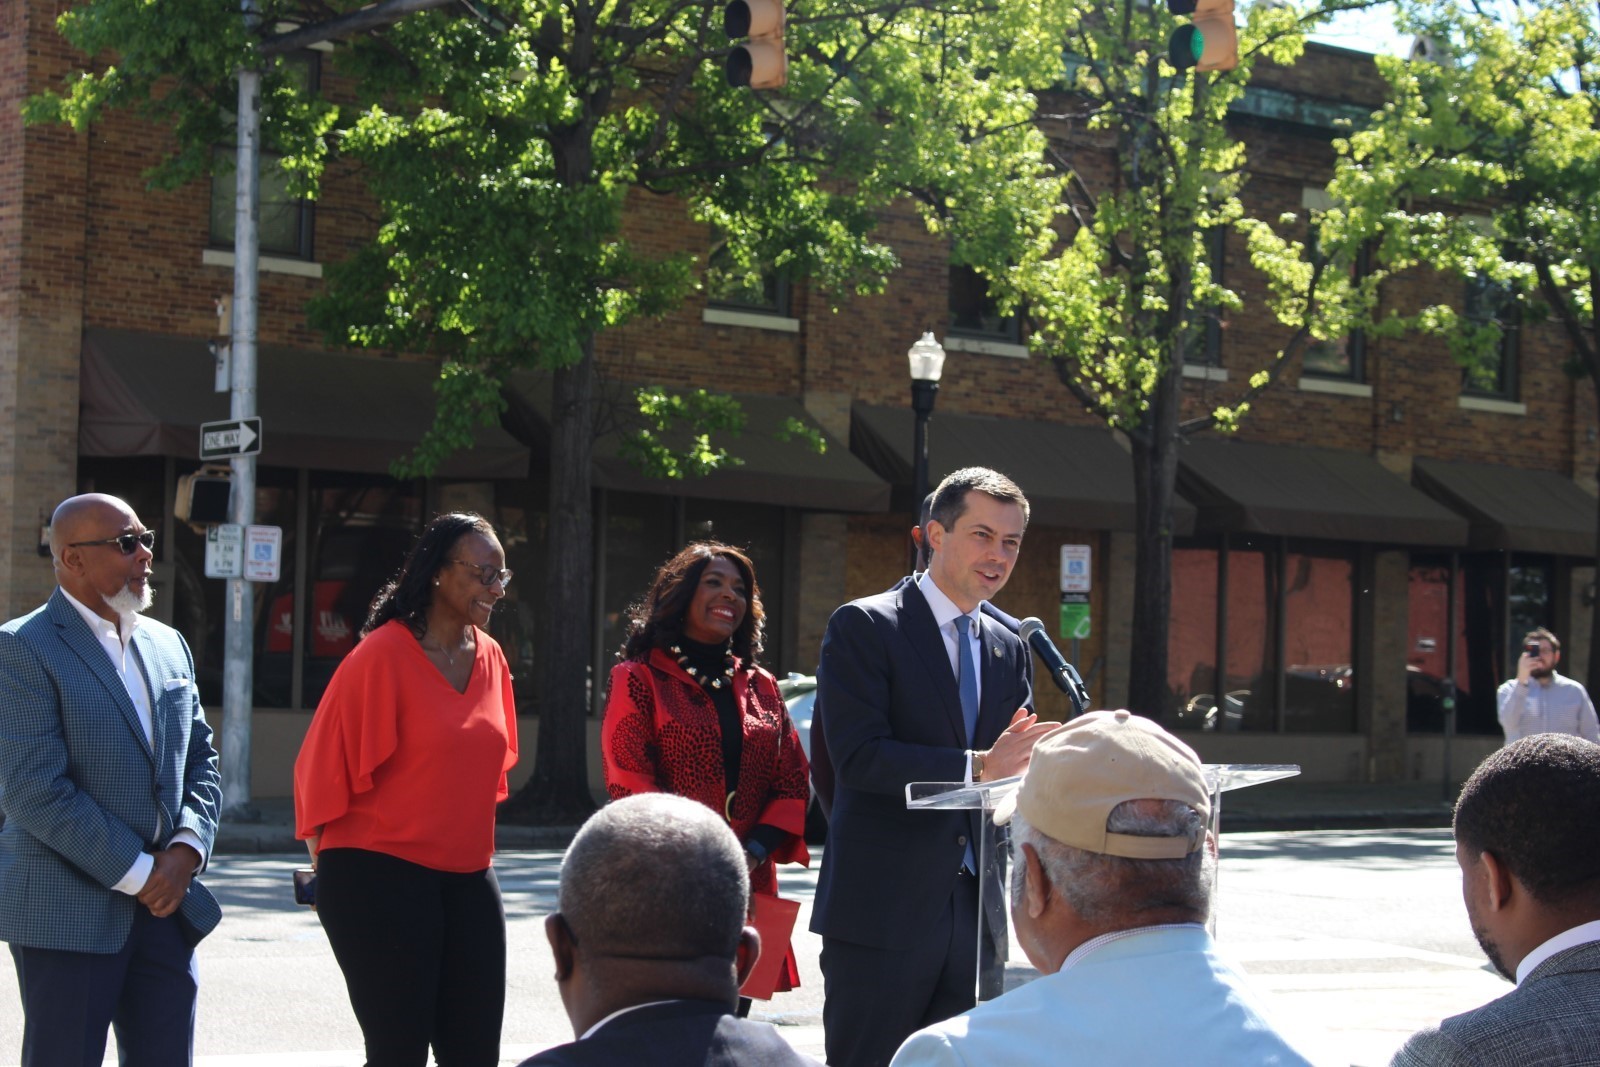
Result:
{"points": [[1348, 820]]}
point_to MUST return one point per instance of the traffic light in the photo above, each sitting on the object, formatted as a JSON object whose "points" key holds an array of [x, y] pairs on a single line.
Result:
{"points": [[760, 62], [1210, 41]]}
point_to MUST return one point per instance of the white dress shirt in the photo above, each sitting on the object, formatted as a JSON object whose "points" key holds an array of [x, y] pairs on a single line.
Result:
{"points": [[945, 612]]}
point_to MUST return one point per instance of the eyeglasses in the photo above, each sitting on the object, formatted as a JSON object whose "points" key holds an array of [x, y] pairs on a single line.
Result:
{"points": [[128, 542], [486, 574]]}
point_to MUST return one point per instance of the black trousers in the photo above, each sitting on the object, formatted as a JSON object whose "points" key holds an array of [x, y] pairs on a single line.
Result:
{"points": [[875, 998], [423, 954]]}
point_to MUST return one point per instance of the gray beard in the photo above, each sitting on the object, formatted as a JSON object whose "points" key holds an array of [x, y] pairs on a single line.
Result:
{"points": [[127, 603]]}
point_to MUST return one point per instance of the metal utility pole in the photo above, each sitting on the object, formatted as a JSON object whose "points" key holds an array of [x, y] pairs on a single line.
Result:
{"points": [[238, 668]]}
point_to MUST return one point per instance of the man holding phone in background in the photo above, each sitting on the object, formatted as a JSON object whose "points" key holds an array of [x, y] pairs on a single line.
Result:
{"points": [[1539, 700]]}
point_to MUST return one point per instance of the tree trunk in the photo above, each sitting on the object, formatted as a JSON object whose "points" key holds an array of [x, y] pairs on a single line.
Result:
{"points": [[1594, 631], [558, 793], [1155, 474]]}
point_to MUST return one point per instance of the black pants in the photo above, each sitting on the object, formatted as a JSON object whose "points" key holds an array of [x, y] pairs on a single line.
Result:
{"points": [[875, 998], [423, 954]]}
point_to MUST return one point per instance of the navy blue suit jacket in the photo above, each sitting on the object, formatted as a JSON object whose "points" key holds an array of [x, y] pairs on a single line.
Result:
{"points": [[83, 791], [679, 1033], [891, 713]]}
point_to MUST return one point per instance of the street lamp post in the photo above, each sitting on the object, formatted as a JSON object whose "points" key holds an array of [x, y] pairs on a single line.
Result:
{"points": [[927, 363]]}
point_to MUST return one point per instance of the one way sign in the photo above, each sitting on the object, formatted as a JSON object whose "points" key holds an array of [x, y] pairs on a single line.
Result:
{"points": [[234, 437]]}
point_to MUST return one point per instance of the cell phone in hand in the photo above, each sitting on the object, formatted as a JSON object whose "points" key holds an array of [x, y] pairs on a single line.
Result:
{"points": [[1532, 649], [305, 886]]}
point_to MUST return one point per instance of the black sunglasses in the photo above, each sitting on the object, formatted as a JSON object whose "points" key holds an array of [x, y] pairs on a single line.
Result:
{"points": [[128, 542]]}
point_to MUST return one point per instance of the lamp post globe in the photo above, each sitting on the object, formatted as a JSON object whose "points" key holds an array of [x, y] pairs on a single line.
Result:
{"points": [[926, 359]]}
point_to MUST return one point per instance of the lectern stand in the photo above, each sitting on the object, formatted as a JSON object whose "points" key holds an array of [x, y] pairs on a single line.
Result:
{"points": [[985, 796]]}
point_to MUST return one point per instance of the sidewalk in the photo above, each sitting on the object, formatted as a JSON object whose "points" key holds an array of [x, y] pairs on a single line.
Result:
{"points": [[1287, 804]]}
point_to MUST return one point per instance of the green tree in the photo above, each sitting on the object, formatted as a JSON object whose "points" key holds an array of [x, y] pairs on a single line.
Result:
{"points": [[1484, 164], [1117, 287], [502, 141]]}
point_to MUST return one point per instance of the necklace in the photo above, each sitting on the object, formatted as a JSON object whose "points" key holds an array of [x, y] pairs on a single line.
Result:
{"points": [[708, 681], [439, 648]]}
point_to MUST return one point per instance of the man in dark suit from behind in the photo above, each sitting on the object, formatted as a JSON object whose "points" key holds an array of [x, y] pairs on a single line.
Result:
{"points": [[1530, 875], [651, 945]]}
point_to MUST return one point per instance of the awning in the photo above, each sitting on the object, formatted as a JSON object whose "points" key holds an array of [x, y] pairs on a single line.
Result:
{"points": [[1296, 491], [146, 395], [774, 468], [1074, 476], [1507, 508]]}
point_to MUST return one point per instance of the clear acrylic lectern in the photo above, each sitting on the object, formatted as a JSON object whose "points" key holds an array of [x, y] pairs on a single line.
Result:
{"points": [[985, 796]]}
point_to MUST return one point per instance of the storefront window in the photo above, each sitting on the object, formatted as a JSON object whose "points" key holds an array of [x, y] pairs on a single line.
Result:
{"points": [[638, 540], [1319, 680], [1192, 642], [1251, 598], [1311, 678]]}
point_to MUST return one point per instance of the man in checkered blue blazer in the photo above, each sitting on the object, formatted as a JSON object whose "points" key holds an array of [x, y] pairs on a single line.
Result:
{"points": [[110, 789]]}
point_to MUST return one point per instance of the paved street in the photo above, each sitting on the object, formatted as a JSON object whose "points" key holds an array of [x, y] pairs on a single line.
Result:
{"points": [[1358, 937]]}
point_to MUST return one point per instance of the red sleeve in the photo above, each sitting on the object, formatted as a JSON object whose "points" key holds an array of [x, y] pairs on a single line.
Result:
{"points": [[791, 789], [508, 701], [351, 734], [628, 742]]}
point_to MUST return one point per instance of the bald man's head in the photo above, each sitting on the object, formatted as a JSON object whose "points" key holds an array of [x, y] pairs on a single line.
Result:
{"points": [[101, 555], [655, 875]]}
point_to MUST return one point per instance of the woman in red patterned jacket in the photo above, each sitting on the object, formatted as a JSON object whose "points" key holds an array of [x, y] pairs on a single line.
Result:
{"points": [[689, 712]]}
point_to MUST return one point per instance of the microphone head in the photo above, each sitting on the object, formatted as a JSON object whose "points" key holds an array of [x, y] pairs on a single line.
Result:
{"points": [[1029, 627]]}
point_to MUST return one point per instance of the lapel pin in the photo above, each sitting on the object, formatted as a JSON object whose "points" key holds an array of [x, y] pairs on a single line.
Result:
{"points": [[996, 651]]}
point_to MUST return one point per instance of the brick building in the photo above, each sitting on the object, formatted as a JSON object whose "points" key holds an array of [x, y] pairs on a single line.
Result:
{"points": [[1312, 583]]}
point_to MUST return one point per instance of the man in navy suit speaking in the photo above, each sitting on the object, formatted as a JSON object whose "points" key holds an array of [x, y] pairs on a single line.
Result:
{"points": [[111, 791], [917, 685]]}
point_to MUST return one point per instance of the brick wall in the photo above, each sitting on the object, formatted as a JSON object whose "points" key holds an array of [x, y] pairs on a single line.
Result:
{"points": [[42, 268]]}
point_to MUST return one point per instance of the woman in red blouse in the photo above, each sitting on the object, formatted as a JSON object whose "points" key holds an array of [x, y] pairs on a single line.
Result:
{"points": [[689, 712], [395, 791]]}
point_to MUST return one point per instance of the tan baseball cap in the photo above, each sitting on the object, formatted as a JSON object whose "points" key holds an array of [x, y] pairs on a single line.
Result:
{"points": [[1095, 762]]}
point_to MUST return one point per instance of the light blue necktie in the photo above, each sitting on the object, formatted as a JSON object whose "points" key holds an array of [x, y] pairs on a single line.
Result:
{"points": [[967, 681], [966, 676]]}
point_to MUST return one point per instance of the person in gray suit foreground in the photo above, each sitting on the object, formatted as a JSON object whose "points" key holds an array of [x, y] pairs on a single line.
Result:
{"points": [[651, 945], [1525, 829], [111, 794]]}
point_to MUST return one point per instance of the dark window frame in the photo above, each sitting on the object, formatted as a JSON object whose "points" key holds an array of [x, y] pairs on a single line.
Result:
{"points": [[1486, 301], [1353, 346], [220, 227], [1007, 329]]}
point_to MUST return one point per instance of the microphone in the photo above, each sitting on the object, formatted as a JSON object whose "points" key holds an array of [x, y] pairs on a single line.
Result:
{"points": [[1064, 674]]}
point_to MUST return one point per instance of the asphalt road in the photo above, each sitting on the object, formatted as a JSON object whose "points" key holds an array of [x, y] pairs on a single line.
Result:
{"points": [[1355, 938]]}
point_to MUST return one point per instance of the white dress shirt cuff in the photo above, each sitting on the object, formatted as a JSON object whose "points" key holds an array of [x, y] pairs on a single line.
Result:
{"points": [[966, 776], [192, 839], [133, 882]]}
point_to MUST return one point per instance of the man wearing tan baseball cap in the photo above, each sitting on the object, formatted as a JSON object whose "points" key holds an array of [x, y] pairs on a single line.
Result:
{"points": [[1112, 874]]}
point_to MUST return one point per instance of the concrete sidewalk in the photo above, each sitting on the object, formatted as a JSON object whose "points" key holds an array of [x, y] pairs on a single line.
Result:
{"points": [[1287, 804]]}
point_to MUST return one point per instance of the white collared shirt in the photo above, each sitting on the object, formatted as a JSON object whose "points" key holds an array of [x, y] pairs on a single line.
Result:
{"points": [[128, 668], [945, 612], [1578, 935], [115, 642], [1077, 955]]}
